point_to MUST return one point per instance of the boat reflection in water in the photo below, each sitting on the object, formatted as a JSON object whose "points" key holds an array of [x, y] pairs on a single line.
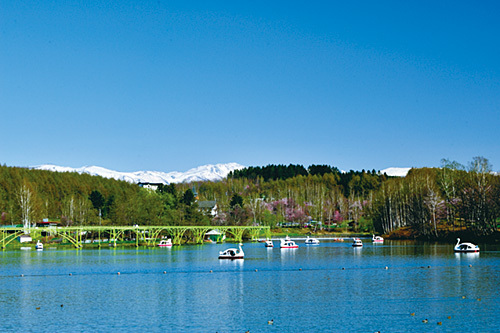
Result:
{"points": [[231, 264], [467, 256]]}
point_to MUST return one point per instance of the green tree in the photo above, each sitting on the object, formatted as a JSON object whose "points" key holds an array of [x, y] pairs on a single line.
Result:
{"points": [[236, 200], [188, 197], [97, 199]]}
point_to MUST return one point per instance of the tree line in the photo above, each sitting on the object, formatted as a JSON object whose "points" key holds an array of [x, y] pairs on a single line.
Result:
{"points": [[28, 196], [357, 181], [435, 201], [277, 193], [426, 200]]}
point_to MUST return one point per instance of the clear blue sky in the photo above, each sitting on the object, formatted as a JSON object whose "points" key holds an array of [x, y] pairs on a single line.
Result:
{"points": [[172, 85]]}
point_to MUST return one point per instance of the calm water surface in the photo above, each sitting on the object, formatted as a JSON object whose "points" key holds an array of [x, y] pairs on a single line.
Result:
{"points": [[331, 287]]}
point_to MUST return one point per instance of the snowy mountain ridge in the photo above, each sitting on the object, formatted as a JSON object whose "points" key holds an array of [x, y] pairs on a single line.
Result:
{"points": [[202, 173], [210, 172], [396, 172]]}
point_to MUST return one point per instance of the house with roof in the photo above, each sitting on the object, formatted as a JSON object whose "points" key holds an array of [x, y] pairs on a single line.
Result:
{"points": [[208, 207]]}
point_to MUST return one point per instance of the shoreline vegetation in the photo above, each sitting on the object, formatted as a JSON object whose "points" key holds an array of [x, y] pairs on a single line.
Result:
{"points": [[427, 204], [449, 236]]}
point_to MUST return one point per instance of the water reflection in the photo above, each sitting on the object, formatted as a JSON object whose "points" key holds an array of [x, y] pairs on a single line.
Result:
{"points": [[287, 256], [357, 250], [227, 264], [269, 253], [286, 253], [467, 256]]}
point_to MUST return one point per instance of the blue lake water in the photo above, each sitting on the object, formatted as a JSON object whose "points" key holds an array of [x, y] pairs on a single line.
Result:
{"points": [[331, 287]]}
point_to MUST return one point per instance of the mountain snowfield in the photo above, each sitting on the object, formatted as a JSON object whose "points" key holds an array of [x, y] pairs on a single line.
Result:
{"points": [[208, 172], [203, 173], [396, 172]]}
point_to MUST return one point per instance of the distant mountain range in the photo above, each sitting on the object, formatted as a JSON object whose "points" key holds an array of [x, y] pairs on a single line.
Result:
{"points": [[208, 172], [203, 173], [396, 172]]}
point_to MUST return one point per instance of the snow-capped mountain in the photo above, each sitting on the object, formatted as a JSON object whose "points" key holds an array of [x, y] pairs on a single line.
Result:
{"points": [[203, 173], [208, 172], [397, 172]]}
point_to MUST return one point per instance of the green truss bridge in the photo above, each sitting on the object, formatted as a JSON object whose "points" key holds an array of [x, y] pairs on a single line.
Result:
{"points": [[140, 235]]}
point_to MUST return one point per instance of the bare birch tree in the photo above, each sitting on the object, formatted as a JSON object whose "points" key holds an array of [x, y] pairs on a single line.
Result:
{"points": [[447, 179], [83, 208], [68, 210], [27, 204], [479, 191], [432, 200]]}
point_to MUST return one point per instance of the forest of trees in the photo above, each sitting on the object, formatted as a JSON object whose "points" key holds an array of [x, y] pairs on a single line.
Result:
{"points": [[28, 196], [427, 199], [452, 196], [357, 181]]}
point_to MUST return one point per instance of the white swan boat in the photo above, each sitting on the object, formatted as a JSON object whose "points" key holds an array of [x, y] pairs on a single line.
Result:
{"points": [[232, 253], [269, 243], [165, 243], [377, 239], [357, 242], [39, 245], [311, 241], [287, 243], [465, 247]]}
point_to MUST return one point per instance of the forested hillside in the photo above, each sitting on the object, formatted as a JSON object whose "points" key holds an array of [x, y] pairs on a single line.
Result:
{"points": [[27, 196], [453, 196], [427, 200], [58, 196], [431, 201], [355, 181]]}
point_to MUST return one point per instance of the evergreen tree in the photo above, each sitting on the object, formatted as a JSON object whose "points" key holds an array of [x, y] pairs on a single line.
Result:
{"points": [[188, 197], [236, 200], [97, 199]]}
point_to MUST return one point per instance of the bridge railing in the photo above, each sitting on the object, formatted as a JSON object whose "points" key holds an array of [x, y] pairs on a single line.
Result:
{"points": [[79, 235]]}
